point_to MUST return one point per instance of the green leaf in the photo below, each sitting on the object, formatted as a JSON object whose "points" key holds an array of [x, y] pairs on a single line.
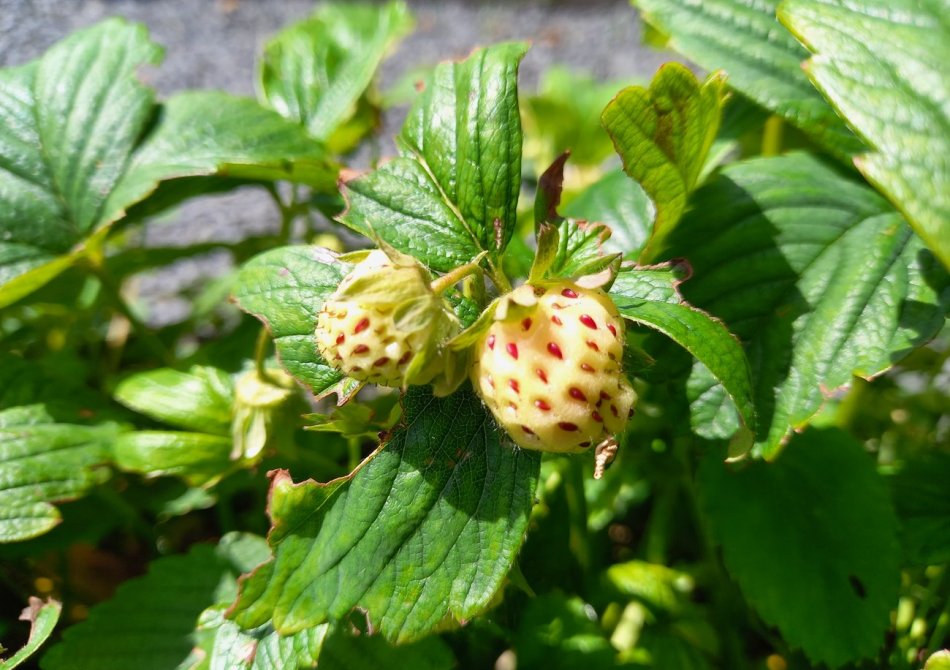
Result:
{"points": [[227, 647], [581, 249], [661, 587], [402, 204], [42, 617], [919, 491], [650, 297], [558, 632], [938, 661], [815, 273], [53, 434], [770, 518], [199, 399], [621, 204], [149, 624], [882, 64], [741, 131], [422, 534], [317, 70], [343, 651], [763, 60], [285, 289], [453, 192], [204, 133], [563, 115], [81, 141], [663, 135], [67, 125], [198, 458]]}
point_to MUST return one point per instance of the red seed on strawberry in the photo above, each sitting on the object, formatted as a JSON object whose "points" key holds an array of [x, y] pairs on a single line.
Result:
{"points": [[588, 321]]}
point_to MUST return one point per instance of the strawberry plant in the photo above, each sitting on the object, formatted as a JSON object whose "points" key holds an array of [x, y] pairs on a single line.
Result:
{"points": [[671, 394]]}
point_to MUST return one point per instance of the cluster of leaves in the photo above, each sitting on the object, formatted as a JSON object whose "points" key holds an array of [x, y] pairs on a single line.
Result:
{"points": [[781, 237]]}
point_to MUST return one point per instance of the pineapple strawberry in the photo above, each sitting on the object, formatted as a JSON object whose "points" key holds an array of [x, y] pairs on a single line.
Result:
{"points": [[385, 324], [548, 367]]}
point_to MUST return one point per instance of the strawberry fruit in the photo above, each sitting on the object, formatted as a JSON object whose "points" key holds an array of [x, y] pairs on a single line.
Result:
{"points": [[385, 324], [548, 368]]}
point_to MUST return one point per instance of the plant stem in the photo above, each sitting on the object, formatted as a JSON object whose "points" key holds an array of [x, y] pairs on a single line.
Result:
{"points": [[260, 354], [772, 136], [577, 511], [288, 212], [474, 288], [354, 456], [450, 279], [498, 278], [146, 334]]}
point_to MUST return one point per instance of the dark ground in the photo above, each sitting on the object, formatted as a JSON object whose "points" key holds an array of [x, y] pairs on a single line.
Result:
{"points": [[214, 43]]}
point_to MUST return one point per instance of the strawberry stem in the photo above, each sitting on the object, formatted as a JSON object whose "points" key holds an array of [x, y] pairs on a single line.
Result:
{"points": [[450, 279]]}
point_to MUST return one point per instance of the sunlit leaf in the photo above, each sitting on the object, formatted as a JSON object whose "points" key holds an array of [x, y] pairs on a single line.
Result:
{"points": [[882, 64], [420, 536]]}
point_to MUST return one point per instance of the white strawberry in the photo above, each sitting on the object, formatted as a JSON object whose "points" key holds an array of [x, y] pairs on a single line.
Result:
{"points": [[548, 367], [385, 324]]}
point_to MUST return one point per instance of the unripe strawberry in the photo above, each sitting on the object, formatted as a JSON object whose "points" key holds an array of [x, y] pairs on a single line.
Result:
{"points": [[548, 368], [385, 324]]}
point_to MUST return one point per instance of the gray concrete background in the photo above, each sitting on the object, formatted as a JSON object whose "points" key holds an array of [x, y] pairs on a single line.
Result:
{"points": [[214, 44]]}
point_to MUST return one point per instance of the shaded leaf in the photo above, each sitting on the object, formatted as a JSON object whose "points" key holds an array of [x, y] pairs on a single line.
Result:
{"points": [[663, 135], [621, 204], [762, 59], [882, 64], [920, 495], [770, 517], [558, 632], [53, 435], [150, 622], [815, 273], [342, 651], [420, 536]]}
